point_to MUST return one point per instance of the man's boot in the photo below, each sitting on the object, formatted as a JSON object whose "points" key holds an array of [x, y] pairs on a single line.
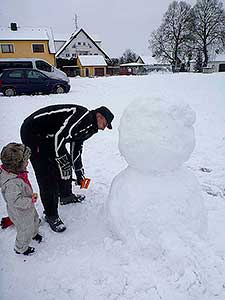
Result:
{"points": [[56, 224], [71, 199]]}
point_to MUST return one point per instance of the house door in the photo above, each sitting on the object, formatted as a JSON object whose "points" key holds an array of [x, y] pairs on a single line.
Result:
{"points": [[222, 68], [99, 71], [87, 73]]}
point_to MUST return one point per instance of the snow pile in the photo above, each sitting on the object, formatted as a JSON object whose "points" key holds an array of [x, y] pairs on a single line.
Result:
{"points": [[155, 205]]}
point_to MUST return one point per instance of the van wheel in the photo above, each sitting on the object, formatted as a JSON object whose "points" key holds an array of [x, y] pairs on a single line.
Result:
{"points": [[59, 89], [9, 92]]}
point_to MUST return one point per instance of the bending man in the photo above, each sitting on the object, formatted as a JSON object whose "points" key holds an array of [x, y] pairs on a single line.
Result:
{"points": [[46, 132]]}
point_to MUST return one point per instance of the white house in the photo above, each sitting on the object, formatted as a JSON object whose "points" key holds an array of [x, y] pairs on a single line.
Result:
{"points": [[218, 63], [147, 60], [151, 64], [80, 43]]}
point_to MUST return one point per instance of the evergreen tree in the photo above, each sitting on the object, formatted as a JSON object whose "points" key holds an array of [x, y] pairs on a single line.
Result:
{"points": [[128, 57]]}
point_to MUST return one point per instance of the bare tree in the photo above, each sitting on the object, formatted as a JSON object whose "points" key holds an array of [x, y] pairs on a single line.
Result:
{"points": [[171, 42], [209, 27]]}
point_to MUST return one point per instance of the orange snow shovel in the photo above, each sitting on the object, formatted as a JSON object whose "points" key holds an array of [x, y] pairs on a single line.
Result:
{"points": [[84, 183]]}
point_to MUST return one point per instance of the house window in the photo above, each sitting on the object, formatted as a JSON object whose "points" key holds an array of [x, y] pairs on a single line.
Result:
{"points": [[84, 43], [7, 48], [38, 48], [79, 43]]}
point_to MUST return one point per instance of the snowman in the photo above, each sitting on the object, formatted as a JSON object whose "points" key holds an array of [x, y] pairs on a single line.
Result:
{"points": [[155, 205], [156, 199]]}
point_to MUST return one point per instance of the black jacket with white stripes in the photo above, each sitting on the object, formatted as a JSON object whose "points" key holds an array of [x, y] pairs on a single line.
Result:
{"points": [[63, 123]]}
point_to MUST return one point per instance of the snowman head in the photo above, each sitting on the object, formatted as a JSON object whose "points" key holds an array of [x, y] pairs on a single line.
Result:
{"points": [[157, 134]]}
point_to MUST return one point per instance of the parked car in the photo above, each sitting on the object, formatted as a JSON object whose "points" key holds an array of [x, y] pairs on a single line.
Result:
{"points": [[29, 81], [32, 63]]}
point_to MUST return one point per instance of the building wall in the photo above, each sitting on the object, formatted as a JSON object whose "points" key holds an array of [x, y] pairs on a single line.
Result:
{"points": [[81, 45], [24, 49], [91, 70]]}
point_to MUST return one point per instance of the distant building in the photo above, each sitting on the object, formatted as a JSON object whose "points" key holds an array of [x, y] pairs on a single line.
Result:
{"points": [[215, 64], [80, 43], [91, 65], [27, 42], [151, 64], [147, 60], [133, 68]]}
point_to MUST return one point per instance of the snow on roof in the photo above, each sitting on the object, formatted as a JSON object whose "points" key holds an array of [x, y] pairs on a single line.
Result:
{"points": [[148, 60], [28, 34], [92, 60], [132, 64], [61, 37]]}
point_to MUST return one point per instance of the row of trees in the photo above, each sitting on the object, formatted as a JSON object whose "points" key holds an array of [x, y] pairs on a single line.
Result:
{"points": [[189, 32]]}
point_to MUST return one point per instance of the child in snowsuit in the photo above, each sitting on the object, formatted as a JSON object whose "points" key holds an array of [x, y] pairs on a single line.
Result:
{"points": [[18, 194]]}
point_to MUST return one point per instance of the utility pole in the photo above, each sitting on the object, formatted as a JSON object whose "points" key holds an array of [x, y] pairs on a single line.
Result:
{"points": [[75, 19]]}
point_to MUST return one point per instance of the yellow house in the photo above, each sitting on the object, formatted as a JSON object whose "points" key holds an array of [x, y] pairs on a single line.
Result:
{"points": [[27, 42], [91, 65]]}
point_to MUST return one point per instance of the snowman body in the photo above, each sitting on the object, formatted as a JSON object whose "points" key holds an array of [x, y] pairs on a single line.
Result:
{"points": [[156, 194]]}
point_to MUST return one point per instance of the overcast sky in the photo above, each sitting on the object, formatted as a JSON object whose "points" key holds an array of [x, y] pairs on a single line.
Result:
{"points": [[120, 24]]}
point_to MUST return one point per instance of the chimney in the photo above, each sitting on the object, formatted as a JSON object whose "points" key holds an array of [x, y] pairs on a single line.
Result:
{"points": [[13, 26]]}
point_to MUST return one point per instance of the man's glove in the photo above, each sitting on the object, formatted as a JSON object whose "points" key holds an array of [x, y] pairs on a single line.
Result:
{"points": [[64, 167], [80, 177]]}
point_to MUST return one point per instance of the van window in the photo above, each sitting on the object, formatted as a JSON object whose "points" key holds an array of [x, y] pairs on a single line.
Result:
{"points": [[15, 64], [42, 65]]}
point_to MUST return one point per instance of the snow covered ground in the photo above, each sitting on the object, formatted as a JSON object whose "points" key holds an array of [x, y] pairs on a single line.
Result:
{"points": [[87, 261]]}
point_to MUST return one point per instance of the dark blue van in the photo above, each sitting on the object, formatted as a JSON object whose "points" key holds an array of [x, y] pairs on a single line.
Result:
{"points": [[29, 81]]}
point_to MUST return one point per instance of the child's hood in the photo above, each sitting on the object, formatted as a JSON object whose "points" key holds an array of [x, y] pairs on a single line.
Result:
{"points": [[5, 176]]}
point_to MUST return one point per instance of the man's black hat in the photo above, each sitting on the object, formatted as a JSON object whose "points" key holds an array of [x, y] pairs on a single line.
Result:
{"points": [[107, 114]]}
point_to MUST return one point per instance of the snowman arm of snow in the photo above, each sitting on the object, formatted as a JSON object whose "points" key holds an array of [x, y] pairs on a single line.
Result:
{"points": [[76, 149]]}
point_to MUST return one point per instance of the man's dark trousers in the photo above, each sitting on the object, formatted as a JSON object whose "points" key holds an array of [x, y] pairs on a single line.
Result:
{"points": [[46, 170]]}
